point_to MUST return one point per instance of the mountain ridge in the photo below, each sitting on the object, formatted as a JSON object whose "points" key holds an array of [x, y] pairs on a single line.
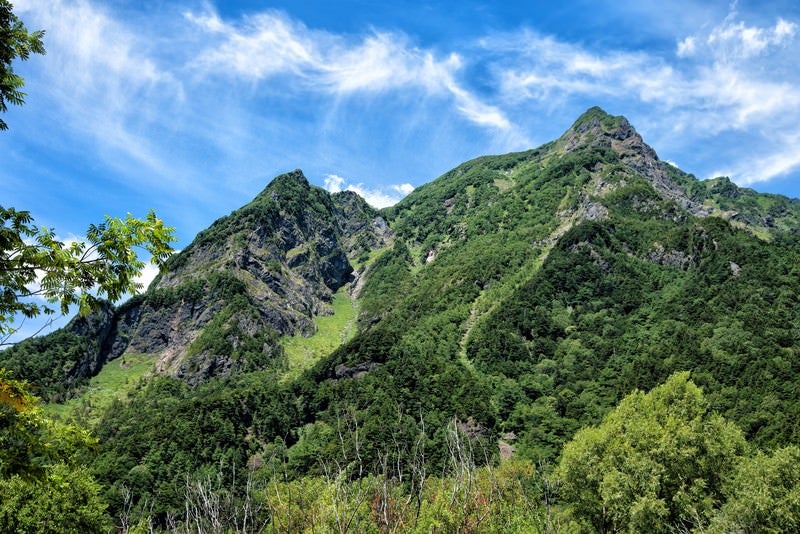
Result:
{"points": [[519, 296], [285, 263]]}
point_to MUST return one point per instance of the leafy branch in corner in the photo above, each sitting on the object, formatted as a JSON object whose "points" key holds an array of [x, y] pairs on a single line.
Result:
{"points": [[15, 42], [34, 263]]}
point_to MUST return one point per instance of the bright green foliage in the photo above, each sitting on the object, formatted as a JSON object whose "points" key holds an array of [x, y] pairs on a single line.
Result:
{"points": [[166, 430], [763, 495], [44, 484], [66, 500], [16, 42], [332, 331], [34, 263], [43, 361], [628, 301], [656, 462], [497, 500], [29, 441], [389, 279]]}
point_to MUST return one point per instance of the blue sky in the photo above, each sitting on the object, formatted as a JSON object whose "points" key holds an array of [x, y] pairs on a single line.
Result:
{"points": [[191, 107]]}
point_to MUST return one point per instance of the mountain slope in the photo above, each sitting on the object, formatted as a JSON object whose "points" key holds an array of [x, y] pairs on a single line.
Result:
{"points": [[557, 279], [221, 304], [520, 295]]}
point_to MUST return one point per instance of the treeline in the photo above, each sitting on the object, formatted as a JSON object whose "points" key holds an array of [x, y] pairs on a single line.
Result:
{"points": [[659, 462]]}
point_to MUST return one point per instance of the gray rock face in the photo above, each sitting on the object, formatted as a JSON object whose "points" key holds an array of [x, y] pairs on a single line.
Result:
{"points": [[96, 327], [357, 371], [282, 256], [642, 159], [597, 129], [671, 258]]}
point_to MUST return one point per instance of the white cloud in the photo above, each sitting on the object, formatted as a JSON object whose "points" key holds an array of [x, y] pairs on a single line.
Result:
{"points": [[717, 89], [269, 44], [543, 68], [735, 39], [102, 76], [375, 197], [149, 273], [687, 47], [208, 20], [765, 167], [717, 172], [333, 183], [125, 83], [82, 35], [404, 189], [783, 30], [272, 45]]}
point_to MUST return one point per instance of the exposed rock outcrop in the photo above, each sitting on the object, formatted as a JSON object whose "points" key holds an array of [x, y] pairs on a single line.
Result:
{"points": [[267, 269], [595, 128]]}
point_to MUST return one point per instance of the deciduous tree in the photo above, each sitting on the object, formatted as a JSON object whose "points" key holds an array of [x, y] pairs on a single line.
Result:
{"points": [[33, 262], [16, 42], [655, 463]]}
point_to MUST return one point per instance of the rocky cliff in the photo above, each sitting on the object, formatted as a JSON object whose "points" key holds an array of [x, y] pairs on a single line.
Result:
{"points": [[265, 270]]}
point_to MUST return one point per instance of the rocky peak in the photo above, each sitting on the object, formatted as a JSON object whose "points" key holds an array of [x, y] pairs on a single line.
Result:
{"points": [[596, 128], [263, 271], [293, 178], [285, 186]]}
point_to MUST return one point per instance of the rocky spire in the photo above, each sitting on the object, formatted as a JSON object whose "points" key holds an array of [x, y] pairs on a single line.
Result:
{"points": [[596, 128]]}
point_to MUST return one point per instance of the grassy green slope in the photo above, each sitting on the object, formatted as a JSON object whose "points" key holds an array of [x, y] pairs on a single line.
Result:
{"points": [[332, 331], [113, 382]]}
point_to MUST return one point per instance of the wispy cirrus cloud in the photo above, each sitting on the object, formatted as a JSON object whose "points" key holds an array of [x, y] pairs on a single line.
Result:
{"points": [[734, 39], [720, 90], [715, 83], [191, 103], [738, 40], [102, 75], [271, 45]]}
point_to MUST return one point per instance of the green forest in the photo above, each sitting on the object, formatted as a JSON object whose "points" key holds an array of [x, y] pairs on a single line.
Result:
{"points": [[565, 339]]}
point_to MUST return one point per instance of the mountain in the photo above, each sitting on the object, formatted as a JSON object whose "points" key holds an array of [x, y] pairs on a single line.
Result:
{"points": [[519, 297], [264, 271]]}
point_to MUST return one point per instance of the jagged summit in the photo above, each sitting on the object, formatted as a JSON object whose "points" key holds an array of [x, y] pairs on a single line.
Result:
{"points": [[597, 115], [266, 270], [597, 156], [273, 265], [293, 177], [294, 181], [595, 127]]}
